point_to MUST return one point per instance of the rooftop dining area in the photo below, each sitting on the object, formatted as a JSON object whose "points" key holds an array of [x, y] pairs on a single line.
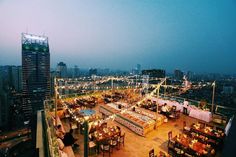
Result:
{"points": [[132, 128]]}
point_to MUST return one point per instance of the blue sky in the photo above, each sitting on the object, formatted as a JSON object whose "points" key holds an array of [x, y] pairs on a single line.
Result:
{"points": [[196, 35]]}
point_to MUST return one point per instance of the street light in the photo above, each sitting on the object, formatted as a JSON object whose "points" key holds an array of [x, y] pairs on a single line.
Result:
{"points": [[213, 96]]}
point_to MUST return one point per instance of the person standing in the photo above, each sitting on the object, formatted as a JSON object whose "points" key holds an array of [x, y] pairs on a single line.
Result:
{"points": [[185, 107]]}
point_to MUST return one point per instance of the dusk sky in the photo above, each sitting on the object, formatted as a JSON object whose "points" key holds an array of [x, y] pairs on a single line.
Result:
{"points": [[196, 35]]}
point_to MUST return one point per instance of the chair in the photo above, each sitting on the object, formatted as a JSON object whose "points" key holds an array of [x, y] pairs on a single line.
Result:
{"points": [[185, 127], [173, 108], [171, 148], [66, 114], [74, 125], [162, 154], [92, 146], [209, 125], [190, 152], [169, 135], [177, 114], [121, 140], [118, 128], [188, 155], [105, 147], [220, 129], [91, 137], [159, 108], [114, 142], [104, 125], [202, 125], [224, 120], [179, 152]]}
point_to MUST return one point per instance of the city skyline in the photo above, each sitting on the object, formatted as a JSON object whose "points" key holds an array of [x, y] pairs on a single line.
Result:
{"points": [[104, 77], [185, 35]]}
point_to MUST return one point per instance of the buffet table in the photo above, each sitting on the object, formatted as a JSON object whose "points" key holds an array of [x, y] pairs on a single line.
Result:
{"points": [[137, 122]]}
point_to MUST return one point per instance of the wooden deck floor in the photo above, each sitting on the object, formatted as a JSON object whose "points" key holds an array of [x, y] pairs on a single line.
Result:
{"points": [[138, 146]]}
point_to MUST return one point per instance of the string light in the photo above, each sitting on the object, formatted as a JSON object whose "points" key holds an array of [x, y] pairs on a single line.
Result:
{"points": [[113, 116]]}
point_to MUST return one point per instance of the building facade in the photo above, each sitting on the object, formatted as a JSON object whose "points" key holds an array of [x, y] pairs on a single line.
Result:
{"points": [[35, 72], [8, 85]]}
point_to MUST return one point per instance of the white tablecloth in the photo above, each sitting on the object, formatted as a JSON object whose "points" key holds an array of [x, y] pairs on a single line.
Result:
{"points": [[200, 114], [193, 111]]}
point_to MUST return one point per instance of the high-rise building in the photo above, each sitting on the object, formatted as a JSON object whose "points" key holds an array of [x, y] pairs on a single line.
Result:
{"points": [[138, 69], [35, 72], [76, 71], [178, 74], [62, 70]]}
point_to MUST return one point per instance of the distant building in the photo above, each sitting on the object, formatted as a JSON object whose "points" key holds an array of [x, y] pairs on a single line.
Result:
{"points": [[76, 72], [92, 72], [158, 73], [178, 74], [3, 105], [138, 68], [62, 70], [4, 109], [228, 89], [12, 76], [190, 75], [4, 97], [35, 72]]}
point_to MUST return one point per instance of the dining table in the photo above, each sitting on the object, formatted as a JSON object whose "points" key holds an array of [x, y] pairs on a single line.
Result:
{"points": [[208, 131], [104, 134], [193, 144]]}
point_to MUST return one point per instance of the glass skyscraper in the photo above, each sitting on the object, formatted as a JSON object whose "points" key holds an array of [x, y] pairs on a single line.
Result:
{"points": [[35, 72]]}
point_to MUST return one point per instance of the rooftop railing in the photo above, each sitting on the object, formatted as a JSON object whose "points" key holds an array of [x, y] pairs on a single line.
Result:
{"points": [[47, 145], [218, 109]]}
